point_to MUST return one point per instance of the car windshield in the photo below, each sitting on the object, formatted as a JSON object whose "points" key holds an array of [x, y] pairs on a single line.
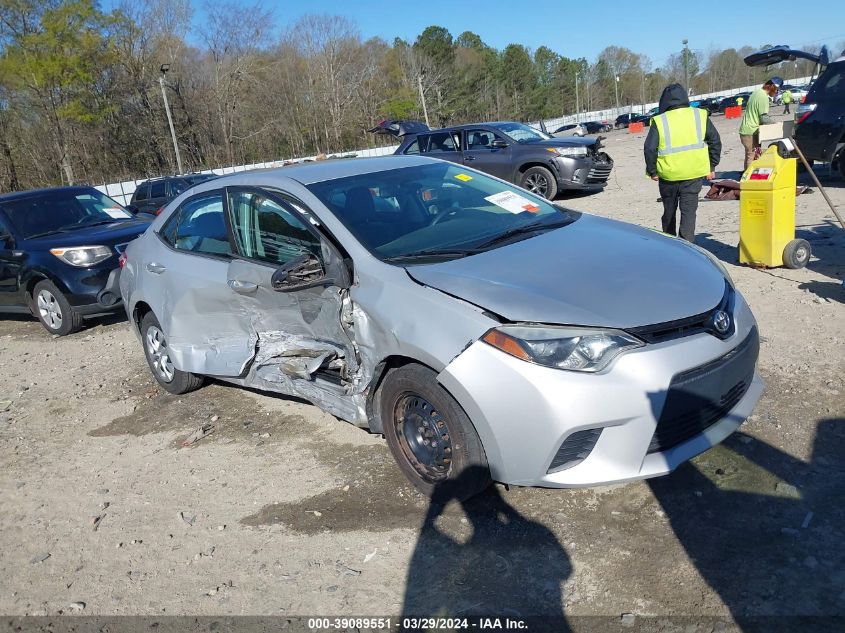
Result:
{"points": [[520, 132], [56, 212], [435, 211]]}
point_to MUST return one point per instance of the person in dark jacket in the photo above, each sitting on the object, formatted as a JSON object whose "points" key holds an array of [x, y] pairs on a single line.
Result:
{"points": [[682, 148]]}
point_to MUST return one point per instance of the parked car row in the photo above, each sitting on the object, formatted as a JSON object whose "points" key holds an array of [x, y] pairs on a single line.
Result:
{"points": [[421, 299]]}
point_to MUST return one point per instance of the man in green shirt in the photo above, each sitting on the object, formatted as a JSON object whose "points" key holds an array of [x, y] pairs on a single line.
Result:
{"points": [[756, 113]]}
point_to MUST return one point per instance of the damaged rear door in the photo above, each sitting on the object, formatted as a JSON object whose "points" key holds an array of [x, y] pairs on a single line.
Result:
{"points": [[291, 286]]}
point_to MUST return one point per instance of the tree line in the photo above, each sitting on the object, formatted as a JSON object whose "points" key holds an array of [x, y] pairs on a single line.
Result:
{"points": [[81, 100]]}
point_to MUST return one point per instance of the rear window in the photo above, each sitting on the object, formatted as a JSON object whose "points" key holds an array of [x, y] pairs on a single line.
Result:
{"points": [[831, 85]]}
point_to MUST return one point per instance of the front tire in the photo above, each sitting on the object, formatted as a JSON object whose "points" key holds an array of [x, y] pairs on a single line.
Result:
{"points": [[431, 437], [53, 309], [539, 180], [157, 352]]}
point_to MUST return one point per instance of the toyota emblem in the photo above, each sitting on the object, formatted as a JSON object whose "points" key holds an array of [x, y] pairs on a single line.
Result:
{"points": [[721, 321]]}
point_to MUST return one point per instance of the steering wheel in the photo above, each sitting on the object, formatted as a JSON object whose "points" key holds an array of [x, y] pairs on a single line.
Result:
{"points": [[442, 215]]}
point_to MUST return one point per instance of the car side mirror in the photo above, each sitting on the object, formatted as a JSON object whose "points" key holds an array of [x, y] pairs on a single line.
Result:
{"points": [[499, 144], [305, 271], [6, 239]]}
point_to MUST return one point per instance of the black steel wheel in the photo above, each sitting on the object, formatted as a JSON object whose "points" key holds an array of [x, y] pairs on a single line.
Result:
{"points": [[430, 436], [539, 180]]}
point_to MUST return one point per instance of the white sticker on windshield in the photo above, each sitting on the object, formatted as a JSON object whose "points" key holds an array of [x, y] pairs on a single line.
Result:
{"points": [[117, 213], [513, 202]]}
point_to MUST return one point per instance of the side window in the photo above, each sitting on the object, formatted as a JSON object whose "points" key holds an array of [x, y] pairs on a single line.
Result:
{"points": [[157, 189], [141, 192], [441, 142], [413, 148], [199, 226], [479, 139], [268, 231]]}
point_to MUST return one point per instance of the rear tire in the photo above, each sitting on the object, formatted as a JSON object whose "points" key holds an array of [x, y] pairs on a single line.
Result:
{"points": [[431, 437], [796, 254], [53, 309], [171, 379], [539, 180]]}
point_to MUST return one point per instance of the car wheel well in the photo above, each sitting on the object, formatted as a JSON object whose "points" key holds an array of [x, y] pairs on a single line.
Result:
{"points": [[382, 369], [527, 166], [141, 310]]}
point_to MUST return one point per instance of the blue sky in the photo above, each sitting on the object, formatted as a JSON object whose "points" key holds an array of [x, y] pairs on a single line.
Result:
{"points": [[580, 28], [583, 29]]}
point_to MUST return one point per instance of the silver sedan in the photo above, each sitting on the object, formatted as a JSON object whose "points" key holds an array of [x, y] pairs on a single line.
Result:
{"points": [[487, 334]]}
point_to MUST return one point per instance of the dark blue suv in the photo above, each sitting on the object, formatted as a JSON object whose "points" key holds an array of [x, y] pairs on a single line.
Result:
{"points": [[59, 252]]}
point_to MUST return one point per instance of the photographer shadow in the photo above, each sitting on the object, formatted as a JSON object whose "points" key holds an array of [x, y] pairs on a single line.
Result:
{"points": [[508, 566]]}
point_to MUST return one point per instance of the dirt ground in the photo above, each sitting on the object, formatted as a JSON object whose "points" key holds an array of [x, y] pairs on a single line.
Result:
{"points": [[284, 510]]}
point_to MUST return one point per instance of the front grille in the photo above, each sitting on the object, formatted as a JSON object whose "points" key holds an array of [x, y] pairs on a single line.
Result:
{"points": [[600, 172], [575, 449], [700, 397], [670, 330]]}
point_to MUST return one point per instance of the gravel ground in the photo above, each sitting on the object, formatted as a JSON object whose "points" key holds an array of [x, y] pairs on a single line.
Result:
{"points": [[285, 510]]}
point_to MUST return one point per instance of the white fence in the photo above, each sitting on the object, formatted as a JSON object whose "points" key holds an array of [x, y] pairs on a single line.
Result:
{"points": [[610, 114], [122, 191]]}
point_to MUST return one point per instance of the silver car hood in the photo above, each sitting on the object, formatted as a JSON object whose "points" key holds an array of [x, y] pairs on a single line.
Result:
{"points": [[595, 272]]}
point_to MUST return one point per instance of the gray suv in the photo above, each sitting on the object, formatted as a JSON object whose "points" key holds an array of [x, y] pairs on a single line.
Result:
{"points": [[486, 333], [512, 151]]}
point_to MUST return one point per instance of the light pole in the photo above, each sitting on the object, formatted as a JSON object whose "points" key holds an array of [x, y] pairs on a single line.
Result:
{"points": [[686, 66], [577, 106], [616, 88], [164, 68]]}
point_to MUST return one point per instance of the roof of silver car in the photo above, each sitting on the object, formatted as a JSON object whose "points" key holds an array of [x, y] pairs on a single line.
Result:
{"points": [[309, 173]]}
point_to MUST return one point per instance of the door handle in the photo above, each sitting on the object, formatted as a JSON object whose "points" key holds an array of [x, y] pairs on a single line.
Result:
{"points": [[154, 268], [242, 287], [469, 158]]}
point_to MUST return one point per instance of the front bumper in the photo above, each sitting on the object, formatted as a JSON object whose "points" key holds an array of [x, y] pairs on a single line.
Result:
{"points": [[586, 172], [524, 412], [96, 291]]}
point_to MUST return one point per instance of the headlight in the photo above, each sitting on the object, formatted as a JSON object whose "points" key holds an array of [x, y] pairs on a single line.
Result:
{"points": [[82, 255], [574, 349], [575, 150]]}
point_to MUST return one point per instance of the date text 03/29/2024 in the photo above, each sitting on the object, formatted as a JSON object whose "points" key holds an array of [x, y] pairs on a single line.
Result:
{"points": [[416, 624]]}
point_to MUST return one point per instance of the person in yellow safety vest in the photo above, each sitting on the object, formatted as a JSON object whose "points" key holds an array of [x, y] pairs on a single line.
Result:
{"points": [[740, 101], [682, 147], [786, 99]]}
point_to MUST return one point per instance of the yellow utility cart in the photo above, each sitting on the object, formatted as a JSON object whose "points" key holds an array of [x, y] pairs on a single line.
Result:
{"points": [[767, 214]]}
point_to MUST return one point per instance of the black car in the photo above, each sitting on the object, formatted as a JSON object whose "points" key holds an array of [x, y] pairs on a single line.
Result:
{"points": [[514, 152], [820, 120], [59, 254], [152, 195], [596, 127]]}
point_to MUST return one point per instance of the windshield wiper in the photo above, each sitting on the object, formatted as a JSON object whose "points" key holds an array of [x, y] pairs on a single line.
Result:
{"points": [[97, 223], [428, 253], [522, 230], [45, 233]]}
